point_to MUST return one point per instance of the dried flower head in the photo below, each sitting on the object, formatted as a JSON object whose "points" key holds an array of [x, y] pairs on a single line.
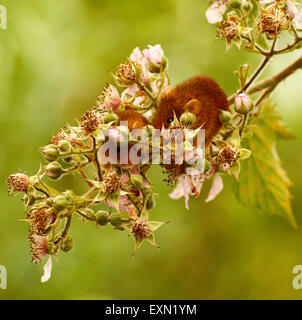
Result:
{"points": [[40, 219], [90, 121], [141, 229], [111, 181], [125, 75], [60, 135], [273, 20], [38, 246], [18, 182], [227, 156], [228, 30]]}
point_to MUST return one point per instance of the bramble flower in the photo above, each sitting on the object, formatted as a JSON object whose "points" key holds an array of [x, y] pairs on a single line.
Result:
{"points": [[18, 182], [186, 186], [228, 30], [38, 246], [295, 12], [227, 156], [216, 11], [109, 98], [40, 219], [273, 20], [155, 57], [111, 181], [134, 95], [142, 63], [141, 229], [90, 121]]}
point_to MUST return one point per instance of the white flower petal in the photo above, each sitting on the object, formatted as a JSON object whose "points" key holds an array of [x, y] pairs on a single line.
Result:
{"points": [[297, 21], [217, 186], [47, 270], [215, 13]]}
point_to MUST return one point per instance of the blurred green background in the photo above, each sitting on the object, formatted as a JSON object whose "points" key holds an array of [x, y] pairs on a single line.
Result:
{"points": [[55, 59]]}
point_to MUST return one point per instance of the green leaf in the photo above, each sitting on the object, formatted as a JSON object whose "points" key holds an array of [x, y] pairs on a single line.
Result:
{"points": [[263, 182]]}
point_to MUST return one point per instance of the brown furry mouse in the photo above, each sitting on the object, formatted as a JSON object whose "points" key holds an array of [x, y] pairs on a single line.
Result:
{"points": [[134, 118], [202, 96]]}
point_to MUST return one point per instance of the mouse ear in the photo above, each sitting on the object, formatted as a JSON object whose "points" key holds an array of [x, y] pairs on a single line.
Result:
{"points": [[193, 106]]}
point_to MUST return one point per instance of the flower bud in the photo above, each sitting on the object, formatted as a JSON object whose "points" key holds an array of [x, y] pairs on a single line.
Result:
{"points": [[137, 180], [64, 145], [60, 203], [116, 220], [235, 4], [207, 165], [102, 217], [243, 103], [50, 152], [88, 213], [51, 247], [66, 244], [247, 6], [54, 170], [187, 118], [150, 203], [225, 116], [156, 59], [110, 117]]}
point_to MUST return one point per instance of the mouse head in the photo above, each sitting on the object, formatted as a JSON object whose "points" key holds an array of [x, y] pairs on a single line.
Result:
{"points": [[169, 105]]}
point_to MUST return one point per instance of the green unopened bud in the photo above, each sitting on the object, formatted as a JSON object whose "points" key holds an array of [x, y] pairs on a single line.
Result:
{"points": [[207, 165], [225, 116], [54, 170], [110, 117], [247, 6], [51, 247], [102, 217], [150, 203], [66, 244], [116, 220], [137, 180], [60, 203], [187, 118], [235, 4], [50, 152], [64, 145], [68, 194]]}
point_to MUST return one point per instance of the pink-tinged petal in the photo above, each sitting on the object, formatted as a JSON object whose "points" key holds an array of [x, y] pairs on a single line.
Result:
{"points": [[47, 270], [182, 189], [216, 188], [215, 13], [297, 21]]}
